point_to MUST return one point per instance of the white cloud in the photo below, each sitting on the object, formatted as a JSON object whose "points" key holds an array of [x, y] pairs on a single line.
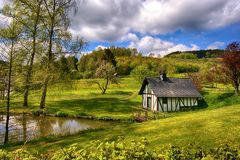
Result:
{"points": [[110, 20], [167, 16], [149, 44], [99, 47], [117, 20], [104, 20], [130, 37], [216, 45]]}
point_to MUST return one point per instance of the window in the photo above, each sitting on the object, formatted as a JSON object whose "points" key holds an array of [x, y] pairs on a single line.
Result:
{"points": [[164, 100], [159, 104], [149, 102]]}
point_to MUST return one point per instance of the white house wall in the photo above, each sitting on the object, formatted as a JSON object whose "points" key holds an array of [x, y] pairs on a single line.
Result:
{"points": [[154, 104], [144, 101], [173, 103], [149, 93], [188, 102]]}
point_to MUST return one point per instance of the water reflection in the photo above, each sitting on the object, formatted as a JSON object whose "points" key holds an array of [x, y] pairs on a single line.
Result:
{"points": [[24, 127]]}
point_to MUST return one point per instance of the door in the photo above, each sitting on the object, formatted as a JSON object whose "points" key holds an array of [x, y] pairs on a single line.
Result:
{"points": [[149, 103]]}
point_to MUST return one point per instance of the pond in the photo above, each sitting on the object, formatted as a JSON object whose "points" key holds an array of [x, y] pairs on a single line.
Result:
{"points": [[25, 127]]}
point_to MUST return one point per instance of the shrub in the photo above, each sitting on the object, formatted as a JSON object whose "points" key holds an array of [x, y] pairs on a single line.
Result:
{"points": [[37, 113], [186, 68], [196, 79], [121, 149], [4, 155], [226, 152], [61, 114], [140, 72], [108, 150], [184, 56], [19, 154]]}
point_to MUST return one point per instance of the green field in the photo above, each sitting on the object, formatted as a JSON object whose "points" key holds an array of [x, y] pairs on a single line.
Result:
{"points": [[216, 121], [83, 98], [207, 129]]}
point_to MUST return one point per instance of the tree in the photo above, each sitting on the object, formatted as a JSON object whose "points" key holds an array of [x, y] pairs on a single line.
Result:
{"points": [[9, 39], [231, 64], [109, 57], [196, 79], [72, 63], [64, 65], [106, 71], [140, 72], [63, 68], [55, 23], [27, 13]]}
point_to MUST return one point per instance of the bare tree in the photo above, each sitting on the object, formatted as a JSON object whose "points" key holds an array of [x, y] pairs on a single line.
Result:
{"points": [[106, 71]]}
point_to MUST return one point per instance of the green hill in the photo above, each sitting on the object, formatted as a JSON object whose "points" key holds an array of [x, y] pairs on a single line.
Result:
{"points": [[210, 53]]}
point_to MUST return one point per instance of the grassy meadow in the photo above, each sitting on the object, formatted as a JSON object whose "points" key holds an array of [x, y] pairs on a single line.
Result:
{"points": [[216, 121], [85, 99], [208, 128]]}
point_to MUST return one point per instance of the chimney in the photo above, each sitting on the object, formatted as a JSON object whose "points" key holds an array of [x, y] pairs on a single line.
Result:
{"points": [[163, 76]]}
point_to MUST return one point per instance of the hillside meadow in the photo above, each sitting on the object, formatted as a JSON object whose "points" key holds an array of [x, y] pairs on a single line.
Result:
{"points": [[82, 98], [207, 129], [216, 121]]}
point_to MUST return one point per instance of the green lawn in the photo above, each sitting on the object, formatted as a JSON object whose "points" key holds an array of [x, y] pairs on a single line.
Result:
{"points": [[120, 101], [83, 98], [208, 128], [215, 122]]}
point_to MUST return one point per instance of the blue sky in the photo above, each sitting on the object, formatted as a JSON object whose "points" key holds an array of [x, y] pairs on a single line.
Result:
{"points": [[214, 38], [155, 26], [158, 26]]}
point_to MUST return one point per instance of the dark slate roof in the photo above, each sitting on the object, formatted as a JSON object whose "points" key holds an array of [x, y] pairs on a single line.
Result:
{"points": [[172, 87]]}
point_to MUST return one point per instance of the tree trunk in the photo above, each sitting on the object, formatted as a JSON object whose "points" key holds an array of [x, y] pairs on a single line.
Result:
{"points": [[236, 89], [50, 59], [44, 94], [29, 69], [106, 85], [7, 125], [104, 91], [25, 96], [29, 75], [8, 94]]}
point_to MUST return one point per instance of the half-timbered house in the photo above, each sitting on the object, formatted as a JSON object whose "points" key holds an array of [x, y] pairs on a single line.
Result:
{"points": [[165, 94]]}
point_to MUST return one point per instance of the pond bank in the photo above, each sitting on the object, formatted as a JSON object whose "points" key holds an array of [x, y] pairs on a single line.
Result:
{"points": [[66, 115], [25, 127]]}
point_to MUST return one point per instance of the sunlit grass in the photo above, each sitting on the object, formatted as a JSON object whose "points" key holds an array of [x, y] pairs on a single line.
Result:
{"points": [[83, 98], [80, 97], [216, 121], [208, 128]]}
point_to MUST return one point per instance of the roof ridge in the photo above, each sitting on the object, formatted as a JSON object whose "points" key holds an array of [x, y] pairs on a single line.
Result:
{"points": [[170, 77]]}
